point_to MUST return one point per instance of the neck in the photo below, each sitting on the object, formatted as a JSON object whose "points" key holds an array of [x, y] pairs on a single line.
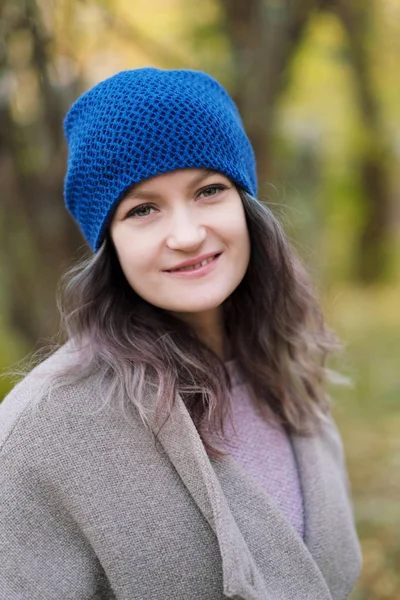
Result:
{"points": [[210, 329]]}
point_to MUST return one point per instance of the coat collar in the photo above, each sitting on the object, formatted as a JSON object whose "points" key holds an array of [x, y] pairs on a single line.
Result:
{"points": [[264, 574]]}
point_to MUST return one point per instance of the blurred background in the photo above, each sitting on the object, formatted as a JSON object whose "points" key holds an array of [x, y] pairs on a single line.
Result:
{"points": [[318, 85]]}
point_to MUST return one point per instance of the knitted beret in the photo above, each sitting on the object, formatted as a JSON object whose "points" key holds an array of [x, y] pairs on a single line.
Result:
{"points": [[144, 122]]}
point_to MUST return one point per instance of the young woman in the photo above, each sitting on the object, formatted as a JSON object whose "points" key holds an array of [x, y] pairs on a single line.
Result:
{"points": [[179, 445]]}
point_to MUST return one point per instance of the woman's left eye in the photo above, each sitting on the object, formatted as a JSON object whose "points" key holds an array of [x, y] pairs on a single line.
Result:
{"points": [[211, 190]]}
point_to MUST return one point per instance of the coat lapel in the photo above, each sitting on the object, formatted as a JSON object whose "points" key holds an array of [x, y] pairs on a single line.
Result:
{"points": [[262, 555], [330, 533], [182, 444]]}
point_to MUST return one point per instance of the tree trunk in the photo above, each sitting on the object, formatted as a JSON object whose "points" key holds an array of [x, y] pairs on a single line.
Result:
{"points": [[38, 238], [374, 242], [264, 35]]}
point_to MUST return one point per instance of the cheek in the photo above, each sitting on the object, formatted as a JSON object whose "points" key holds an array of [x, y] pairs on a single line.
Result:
{"points": [[133, 257]]}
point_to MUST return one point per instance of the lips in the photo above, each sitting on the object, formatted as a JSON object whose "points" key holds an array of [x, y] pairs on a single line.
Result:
{"points": [[203, 263], [193, 266]]}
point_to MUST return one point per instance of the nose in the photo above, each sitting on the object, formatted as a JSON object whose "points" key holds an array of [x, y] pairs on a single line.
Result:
{"points": [[185, 232]]}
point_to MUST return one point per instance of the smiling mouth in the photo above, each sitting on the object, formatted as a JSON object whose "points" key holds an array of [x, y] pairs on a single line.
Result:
{"points": [[196, 266]]}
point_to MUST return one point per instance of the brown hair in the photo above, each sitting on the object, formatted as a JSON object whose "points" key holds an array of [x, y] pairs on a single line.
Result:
{"points": [[272, 319]]}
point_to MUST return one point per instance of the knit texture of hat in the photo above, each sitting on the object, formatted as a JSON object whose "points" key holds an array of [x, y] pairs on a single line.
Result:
{"points": [[142, 123]]}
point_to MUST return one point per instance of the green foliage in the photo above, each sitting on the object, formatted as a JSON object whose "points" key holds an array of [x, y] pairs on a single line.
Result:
{"points": [[11, 351], [368, 415]]}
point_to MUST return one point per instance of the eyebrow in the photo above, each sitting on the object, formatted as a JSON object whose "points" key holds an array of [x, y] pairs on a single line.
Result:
{"points": [[136, 194]]}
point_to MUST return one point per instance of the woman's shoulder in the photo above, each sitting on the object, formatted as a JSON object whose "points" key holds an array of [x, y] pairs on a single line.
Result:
{"points": [[38, 406]]}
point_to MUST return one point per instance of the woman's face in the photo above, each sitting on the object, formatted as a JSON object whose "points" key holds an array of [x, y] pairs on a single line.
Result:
{"points": [[184, 215]]}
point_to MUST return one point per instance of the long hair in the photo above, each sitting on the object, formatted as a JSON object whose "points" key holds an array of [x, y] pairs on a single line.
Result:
{"points": [[272, 320]]}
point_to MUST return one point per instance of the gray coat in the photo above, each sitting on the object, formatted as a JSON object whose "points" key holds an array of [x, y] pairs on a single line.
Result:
{"points": [[91, 508]]}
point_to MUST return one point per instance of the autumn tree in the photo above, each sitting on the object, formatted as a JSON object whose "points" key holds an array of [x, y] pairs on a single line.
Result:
{"points": [[264, 36]]}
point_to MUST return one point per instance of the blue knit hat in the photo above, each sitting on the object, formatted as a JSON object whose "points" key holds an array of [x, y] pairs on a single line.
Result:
{"points": [[144, 122]]}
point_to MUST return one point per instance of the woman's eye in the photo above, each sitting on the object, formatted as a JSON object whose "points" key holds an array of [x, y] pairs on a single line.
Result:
{"points": [[211, 190], [140, 211], [143, 210]]}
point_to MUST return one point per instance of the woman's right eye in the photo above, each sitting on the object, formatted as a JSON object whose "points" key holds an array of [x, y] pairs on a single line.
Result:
{"points": [[138, 211]]}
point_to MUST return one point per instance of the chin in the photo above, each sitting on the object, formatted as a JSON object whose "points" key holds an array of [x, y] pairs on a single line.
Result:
{"points": [[195, 306]]}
